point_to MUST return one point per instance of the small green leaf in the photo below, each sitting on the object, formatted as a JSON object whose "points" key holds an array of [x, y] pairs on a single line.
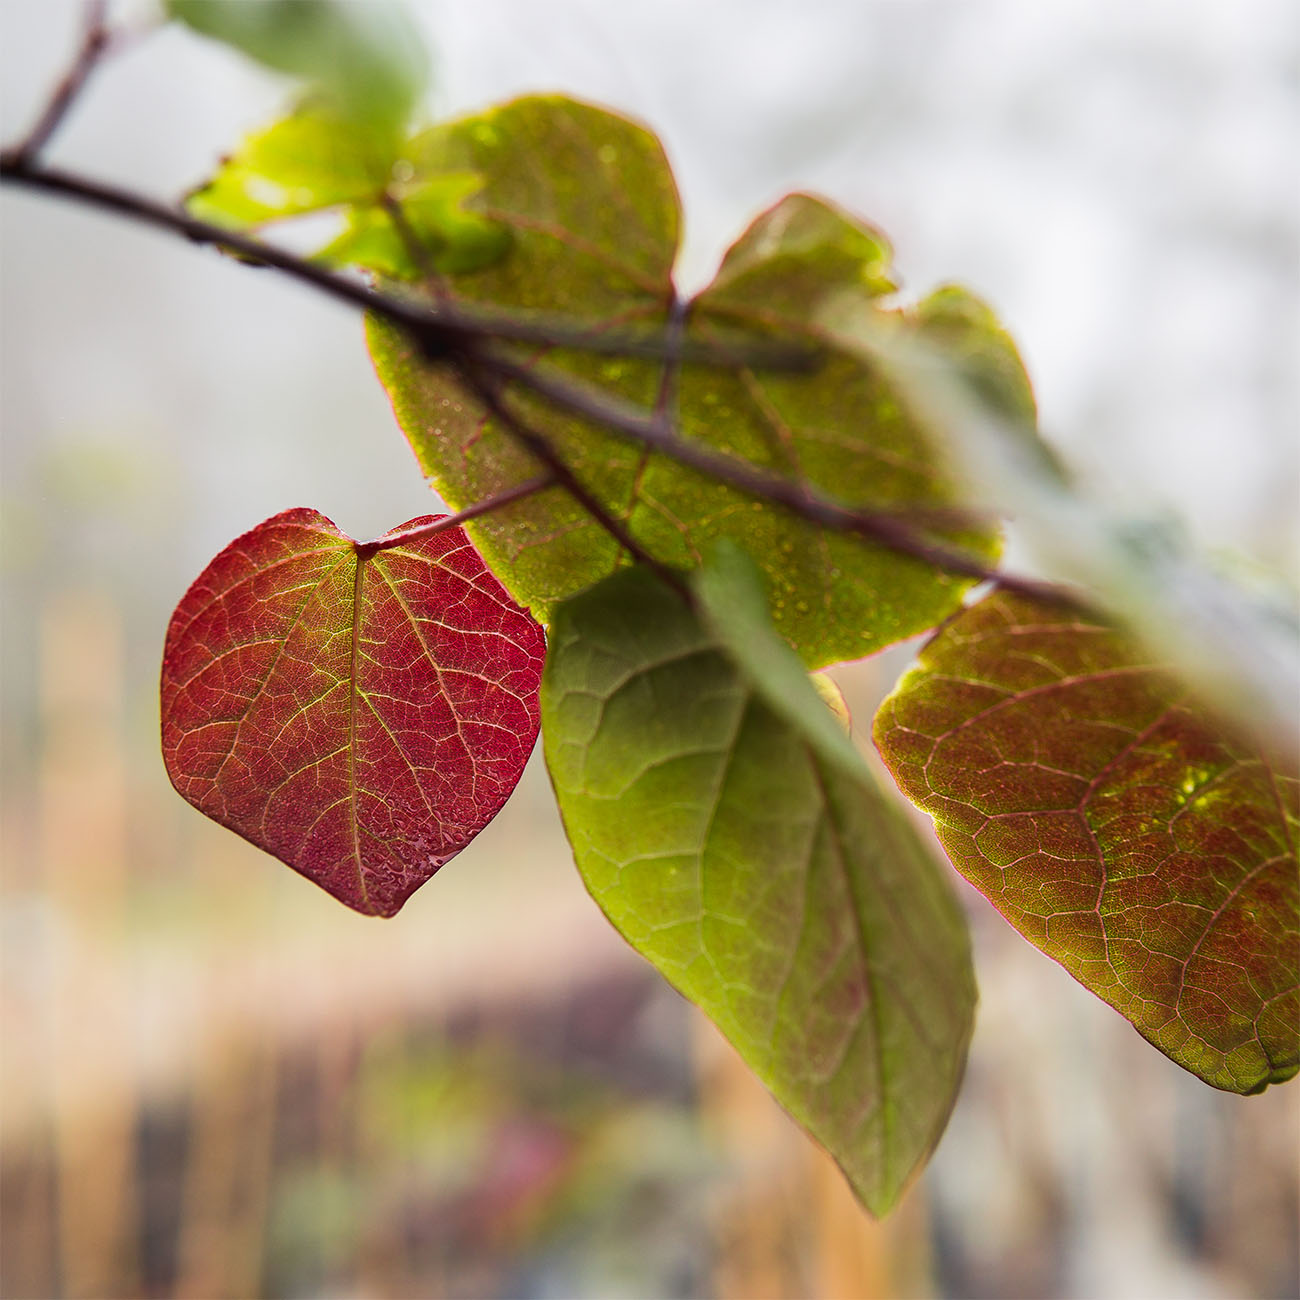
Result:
{"points": [[1116, 825], [367, 59], [727, 827], [792, 255], [971, 337], [591, 205], [317, 160], [309, 161]]}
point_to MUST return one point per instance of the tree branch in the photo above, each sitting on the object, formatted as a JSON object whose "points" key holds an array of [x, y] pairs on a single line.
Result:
{"points": [[439, 330], [94, 42]]}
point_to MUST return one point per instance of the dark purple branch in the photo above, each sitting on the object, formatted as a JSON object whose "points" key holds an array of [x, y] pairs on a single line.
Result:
{"points": [[439, 330]]}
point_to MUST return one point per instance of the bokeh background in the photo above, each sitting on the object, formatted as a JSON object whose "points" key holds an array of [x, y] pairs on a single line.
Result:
{"points": [[217, 1082]]}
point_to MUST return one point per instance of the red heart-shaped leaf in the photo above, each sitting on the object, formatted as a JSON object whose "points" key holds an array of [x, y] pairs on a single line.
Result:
{"points": [[361, 711]]}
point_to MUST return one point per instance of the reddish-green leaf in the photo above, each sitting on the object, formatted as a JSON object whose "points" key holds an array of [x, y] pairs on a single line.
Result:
{"points": [[1117, 826], [359, 711]]}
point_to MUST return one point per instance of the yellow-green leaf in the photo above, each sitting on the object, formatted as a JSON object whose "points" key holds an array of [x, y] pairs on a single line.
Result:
{"points": [[592, 209], [404, 216], [311, 160]]}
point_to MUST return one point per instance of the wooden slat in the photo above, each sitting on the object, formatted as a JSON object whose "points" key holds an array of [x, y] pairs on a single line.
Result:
{"points": [[82, 838]]}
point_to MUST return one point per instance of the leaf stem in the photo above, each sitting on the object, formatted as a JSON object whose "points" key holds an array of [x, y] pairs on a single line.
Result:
{"points": [[418, 532], [414, 244], [674, 335]]}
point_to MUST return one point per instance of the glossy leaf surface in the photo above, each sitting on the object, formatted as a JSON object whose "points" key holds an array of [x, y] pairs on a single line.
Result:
{"points": [[723, 821], [361, 714], [593, 211], [1115, 825]]}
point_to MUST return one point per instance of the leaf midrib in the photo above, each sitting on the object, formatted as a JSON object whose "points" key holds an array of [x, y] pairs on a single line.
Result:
{"points": [[354, 695]]}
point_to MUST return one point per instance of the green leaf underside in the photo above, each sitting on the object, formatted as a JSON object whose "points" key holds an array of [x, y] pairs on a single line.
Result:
{"points": [[724, 823], [368, 60], [1115, 825], [318, 160], [594, 216]]}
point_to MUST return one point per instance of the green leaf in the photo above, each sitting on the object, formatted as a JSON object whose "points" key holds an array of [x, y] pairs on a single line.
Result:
{"points": [[367, 59], [725, 824], [1116, 825], [590, 201], [593, 214], [309, 161], [966, 332], [317, 160]]}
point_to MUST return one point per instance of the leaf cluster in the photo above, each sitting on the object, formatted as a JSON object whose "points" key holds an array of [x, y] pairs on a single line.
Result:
{"points": [[700, 523]]}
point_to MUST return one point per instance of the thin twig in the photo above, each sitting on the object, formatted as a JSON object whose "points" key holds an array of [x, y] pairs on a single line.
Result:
{"points": [[437, 330], [94, 41], [497, 501], [486, 389]]}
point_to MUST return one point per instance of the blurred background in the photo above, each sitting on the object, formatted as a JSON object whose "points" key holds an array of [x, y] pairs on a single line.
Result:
{"points": [[215, 1081]]}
